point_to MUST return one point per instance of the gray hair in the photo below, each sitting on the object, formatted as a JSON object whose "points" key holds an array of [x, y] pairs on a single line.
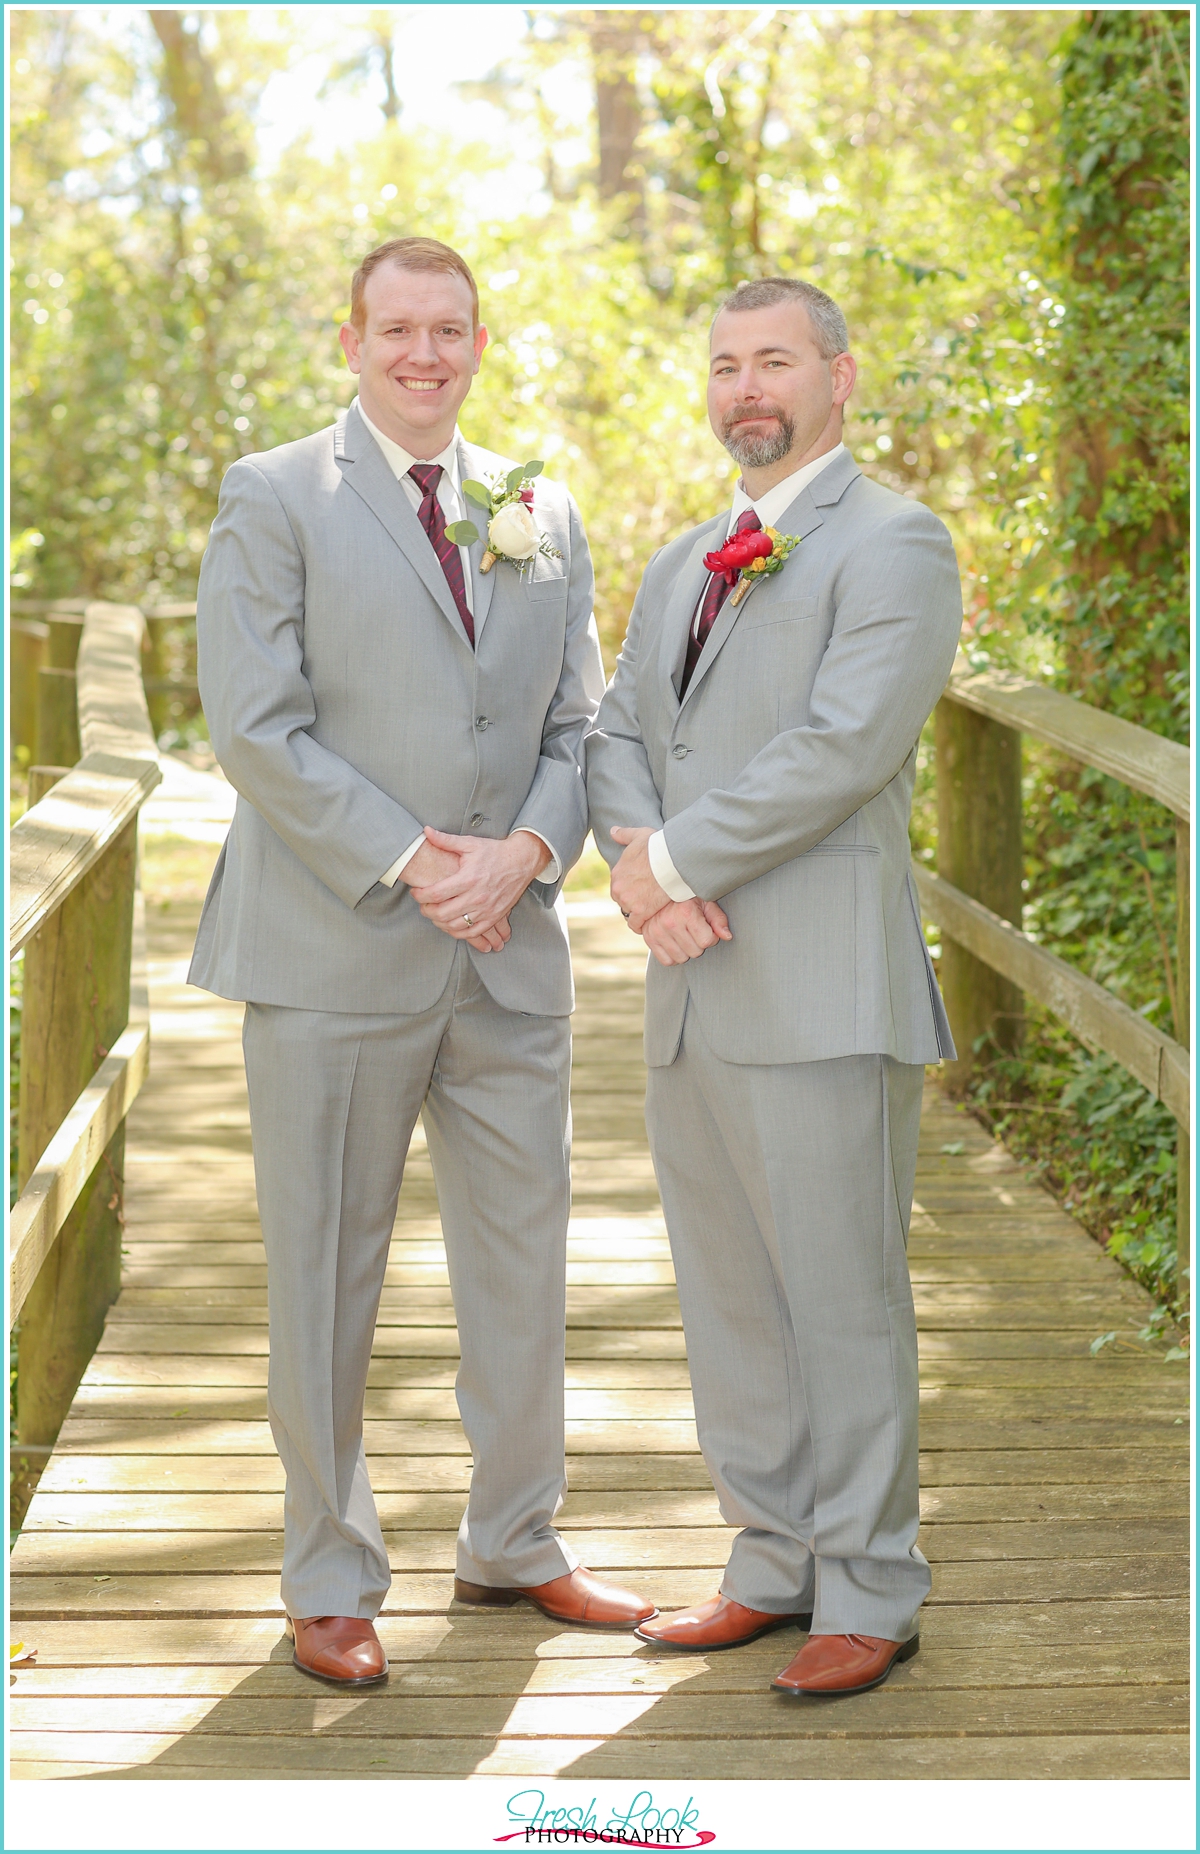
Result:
{"points": [[828, 322]]}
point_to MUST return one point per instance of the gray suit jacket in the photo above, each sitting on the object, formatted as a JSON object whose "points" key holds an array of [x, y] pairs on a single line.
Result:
{"points": [[348, 708], [784, 780]]}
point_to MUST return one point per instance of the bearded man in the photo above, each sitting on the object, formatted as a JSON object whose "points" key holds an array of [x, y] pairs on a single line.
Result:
{"points": [[752, 769], [405, 731]]}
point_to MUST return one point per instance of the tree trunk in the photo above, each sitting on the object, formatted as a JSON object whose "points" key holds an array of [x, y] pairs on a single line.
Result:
{"points": [[615, 39]]}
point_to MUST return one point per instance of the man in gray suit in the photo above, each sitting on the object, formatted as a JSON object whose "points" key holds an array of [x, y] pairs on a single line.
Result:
{"points": [[405, 732], [754, 755]]}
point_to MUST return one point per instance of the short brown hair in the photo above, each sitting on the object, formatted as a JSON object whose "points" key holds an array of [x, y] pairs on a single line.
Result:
{"points": [[828, 322], [411, 254]]}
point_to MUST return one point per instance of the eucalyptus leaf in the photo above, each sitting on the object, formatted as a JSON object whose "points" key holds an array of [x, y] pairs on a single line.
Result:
{"points": [[533, 469], [478, 493], [462, 533], [515, 477]]}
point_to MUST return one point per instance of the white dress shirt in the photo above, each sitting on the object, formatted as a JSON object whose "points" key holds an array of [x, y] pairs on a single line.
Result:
{"points": [[769, 507], [449, 495]]}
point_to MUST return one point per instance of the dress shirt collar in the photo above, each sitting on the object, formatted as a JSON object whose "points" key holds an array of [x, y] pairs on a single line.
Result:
{"points": [[772, 503], [398, 459]]}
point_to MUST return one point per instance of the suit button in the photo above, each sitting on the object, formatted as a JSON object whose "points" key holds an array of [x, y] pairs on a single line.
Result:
{"points": [[680, 753], [477, 819], [481, 722]]}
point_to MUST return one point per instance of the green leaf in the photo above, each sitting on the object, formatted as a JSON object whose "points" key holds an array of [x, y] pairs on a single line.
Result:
{"points": [[515, 477], [533, 469], [478, 493], [462, 533]]}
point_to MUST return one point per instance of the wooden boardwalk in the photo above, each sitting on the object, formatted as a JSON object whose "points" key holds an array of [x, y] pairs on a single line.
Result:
{"points": [[1054, 1484]]}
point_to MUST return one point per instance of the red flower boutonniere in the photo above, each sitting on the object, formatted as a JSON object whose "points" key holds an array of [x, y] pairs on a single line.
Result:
{"points": [[747, 558]]}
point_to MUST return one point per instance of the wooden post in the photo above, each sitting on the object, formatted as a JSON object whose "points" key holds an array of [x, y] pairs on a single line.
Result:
{"points": [[1183, 1033], [57, 718], [76, 1004], [28, 642], [66, 630], [154, 669], [979, 851]]}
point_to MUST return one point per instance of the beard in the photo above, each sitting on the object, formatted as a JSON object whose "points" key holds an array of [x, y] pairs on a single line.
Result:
{"points": [[754, 448]]}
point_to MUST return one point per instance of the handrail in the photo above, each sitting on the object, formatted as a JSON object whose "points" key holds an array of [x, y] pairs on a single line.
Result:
{"points": [[69, 1160], [1156, 1060], [53, 847], [59, 839], [1160, 768]]}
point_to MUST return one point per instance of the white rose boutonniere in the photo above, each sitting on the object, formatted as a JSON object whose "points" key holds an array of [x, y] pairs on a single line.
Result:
{"points": [[512, 534]]}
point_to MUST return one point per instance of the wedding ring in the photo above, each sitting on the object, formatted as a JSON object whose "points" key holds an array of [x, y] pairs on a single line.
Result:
{"points": [[627, 912], [467, 918]]}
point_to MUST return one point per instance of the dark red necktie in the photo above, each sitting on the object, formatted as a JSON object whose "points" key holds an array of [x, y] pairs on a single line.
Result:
{"points": [[714, 599], [427, 477]]}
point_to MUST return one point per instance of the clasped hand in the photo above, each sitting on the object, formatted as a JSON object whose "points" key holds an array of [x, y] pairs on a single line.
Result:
{"points": [[675, 931], [468, 886]]}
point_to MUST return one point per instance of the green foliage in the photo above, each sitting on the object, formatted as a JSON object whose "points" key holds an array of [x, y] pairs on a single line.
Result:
{"points": [[1097, 1139], [1121, 376]]}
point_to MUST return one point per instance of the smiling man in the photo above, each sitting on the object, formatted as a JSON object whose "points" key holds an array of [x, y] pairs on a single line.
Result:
{"points": [[405, 732], [754, 754]]}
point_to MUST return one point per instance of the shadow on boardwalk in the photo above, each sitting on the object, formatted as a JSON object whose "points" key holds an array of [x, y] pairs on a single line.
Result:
{"points": [[1054, 1485]]}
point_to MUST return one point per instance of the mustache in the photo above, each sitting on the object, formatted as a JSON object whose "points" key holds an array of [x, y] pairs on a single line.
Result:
{"points": [[738, 414]]}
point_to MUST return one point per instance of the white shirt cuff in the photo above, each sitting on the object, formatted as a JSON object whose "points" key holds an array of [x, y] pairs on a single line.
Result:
{"points": [[664, 871], [391, 876], [553, 868]]}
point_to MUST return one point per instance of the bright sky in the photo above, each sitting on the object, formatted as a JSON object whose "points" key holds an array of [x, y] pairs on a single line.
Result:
{"points": [[437, 48]]}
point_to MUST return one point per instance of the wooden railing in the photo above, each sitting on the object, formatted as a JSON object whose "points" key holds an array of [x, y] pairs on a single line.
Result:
{"points": [[975, 899], [84, 1021]]}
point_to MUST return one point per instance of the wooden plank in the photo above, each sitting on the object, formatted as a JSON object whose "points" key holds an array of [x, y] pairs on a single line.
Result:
{"points": [[163, 1757], [1145, 1375], [55, 1550], [899, 1709], [389, 1473], [1163, 1396], [481, 1675], [170, 1511], [70, 1158], [981, 1632], [1101, 1020], [148, 1593], [1137, 757]]}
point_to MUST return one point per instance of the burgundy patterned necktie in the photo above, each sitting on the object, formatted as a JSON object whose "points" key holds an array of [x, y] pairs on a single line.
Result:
{"points": [[427, 477], [714, 599]]}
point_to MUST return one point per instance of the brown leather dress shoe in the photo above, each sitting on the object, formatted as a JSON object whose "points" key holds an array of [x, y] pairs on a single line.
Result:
{"points": [[579, 1597], [343, 1650], [719, 1623], [839, 1664]]}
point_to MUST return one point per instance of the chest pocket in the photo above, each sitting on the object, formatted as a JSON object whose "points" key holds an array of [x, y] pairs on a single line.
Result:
{"points": [[756, 616], [551, 586]]}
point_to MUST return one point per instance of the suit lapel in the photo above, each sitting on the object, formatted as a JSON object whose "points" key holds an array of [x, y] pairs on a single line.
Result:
{"points": [[681, 606], [364, 467], [481, 583]]}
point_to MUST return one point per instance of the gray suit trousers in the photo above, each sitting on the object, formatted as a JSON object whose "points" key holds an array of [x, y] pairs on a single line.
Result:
{"points": [[334, 1097], [787, 1189]]}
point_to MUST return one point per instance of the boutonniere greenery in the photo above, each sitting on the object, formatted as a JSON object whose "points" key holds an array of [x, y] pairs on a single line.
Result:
{"points": [[512, 534], [747, 558]]}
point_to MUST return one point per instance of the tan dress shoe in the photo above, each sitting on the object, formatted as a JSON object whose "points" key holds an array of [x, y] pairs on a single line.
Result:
{"points": [[719, 1623], [344, 1650], [579, 1597], [839, 1664]]}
